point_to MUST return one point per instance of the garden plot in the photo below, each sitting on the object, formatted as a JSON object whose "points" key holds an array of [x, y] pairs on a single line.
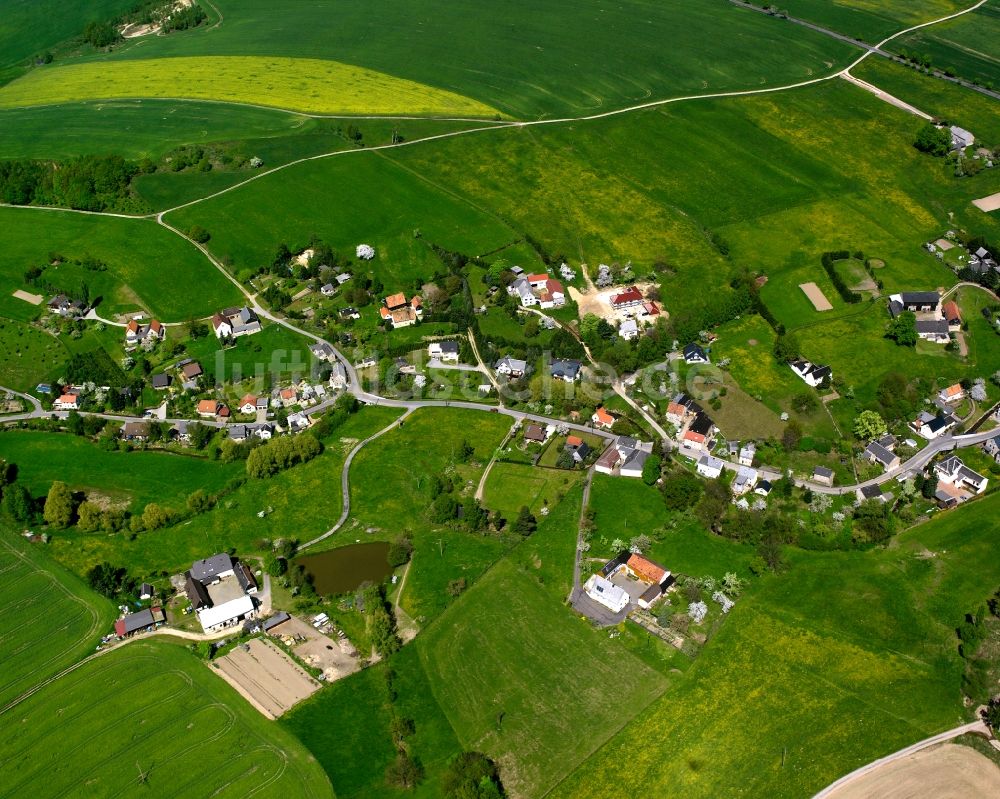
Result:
{"points": [[816, 296], [987, 204], [266, 677]]}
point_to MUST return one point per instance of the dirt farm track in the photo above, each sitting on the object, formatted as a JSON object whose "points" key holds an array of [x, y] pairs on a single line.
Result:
{"points": [[266, 677], [949, 771]]}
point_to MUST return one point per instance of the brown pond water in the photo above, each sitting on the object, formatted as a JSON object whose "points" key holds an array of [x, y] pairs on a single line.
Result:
{"points": [[341, 570]]}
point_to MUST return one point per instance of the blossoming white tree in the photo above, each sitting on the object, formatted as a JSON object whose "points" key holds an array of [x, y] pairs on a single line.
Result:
{"points": [[697, 611], [365, 252]]}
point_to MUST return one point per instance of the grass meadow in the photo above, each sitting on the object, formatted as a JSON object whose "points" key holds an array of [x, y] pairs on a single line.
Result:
{"points": [[524, 681], [843, 658], [147, 266], [513, 485], [26, 354], [29, 29], [967, 45], [130, 478], [298, 84], [152, 708], [395, 210], [870, 21], [48, 619], [968, 109], [524, 61], [301, 503]]}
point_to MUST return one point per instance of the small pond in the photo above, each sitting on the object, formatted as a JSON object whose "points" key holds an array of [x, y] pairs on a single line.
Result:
{"points": [[342, 570]]}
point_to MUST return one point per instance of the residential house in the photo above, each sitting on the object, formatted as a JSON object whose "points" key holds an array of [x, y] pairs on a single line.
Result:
{"points": [[933, 330], [512, 368], [322, 351], [342, 278], [642, 568], [399, 311], [136, 332], [961, 138], [630, 298], [135, 431], [328, 290], [67, 402], [930, 427], [179, 432], [209, 571], [992, 447], [552, 294], [146, 592], [248, 404], [870, 492], [579, 448], [747, 454], [64, 306], [763, 488], [625, 454], [288, 397], [745, 480], [681, 409], [521, 289], [877, 453], [239, 432], [693, 353], [567, 370], [603, 419], [650, 308], [235, 322], [298, 421], [954, 393], [606, 593], [535, 433], [710, 467], [338, 375], [812, 374], [699, 433], [823, 476], [954, 472], [160, 382], [349, 313], [190, 370], [211, 409], [446, 351], [628, 329], [264, 431], [609, 461], [952, 315]]}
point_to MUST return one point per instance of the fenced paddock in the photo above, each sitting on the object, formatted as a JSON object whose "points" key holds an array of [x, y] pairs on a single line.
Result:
{"points": [[816, 296]]}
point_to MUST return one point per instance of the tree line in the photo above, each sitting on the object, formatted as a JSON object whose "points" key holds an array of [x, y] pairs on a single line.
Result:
{"points": [[86, 183]]}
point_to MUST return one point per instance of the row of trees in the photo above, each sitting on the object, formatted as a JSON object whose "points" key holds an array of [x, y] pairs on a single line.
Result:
{"points": [[829, 259], [282, 453]]}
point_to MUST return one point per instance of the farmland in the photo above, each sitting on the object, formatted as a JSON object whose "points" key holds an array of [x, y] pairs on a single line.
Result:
{"points": [[865, 640], [298, 84], [130, 478], [144, 264], [870, 21], [154, 708], [524, 62], [519, 677], [47, 618], [967, 45]]}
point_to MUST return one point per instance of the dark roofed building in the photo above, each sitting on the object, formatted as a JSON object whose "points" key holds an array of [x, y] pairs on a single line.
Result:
{"points": [[160, 382], [246, 579], [278, 618], [209, 570], [134, 622], [197, 594]]}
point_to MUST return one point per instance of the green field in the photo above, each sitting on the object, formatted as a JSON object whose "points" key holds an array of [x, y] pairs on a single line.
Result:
{"points": [[968, 45], [376, 201], [844, 658], [48, 619], [298, 84], [28, 29], [513, 485], [524, 60], [508, 647], [968, 109], [870, 20], [147, 266], [132, 478], [304, 501], [152, 708]]}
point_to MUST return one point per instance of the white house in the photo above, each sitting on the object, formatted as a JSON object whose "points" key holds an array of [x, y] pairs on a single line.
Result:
{"points": [[235, 322], [446, 351], [67, 402], [606, 593], [954, 393], [747, 454], [812, 374], [745, 480], [952, 471], [710, 467], [511, 367], [628, 329], [228, 614]]}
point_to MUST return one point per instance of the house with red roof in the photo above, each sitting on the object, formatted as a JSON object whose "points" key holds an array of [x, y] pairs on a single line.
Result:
{"points": [[952, 315], [399, 311], [627, 299], [136, 332], [248, 404], [67, 402], [602, 418]]}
